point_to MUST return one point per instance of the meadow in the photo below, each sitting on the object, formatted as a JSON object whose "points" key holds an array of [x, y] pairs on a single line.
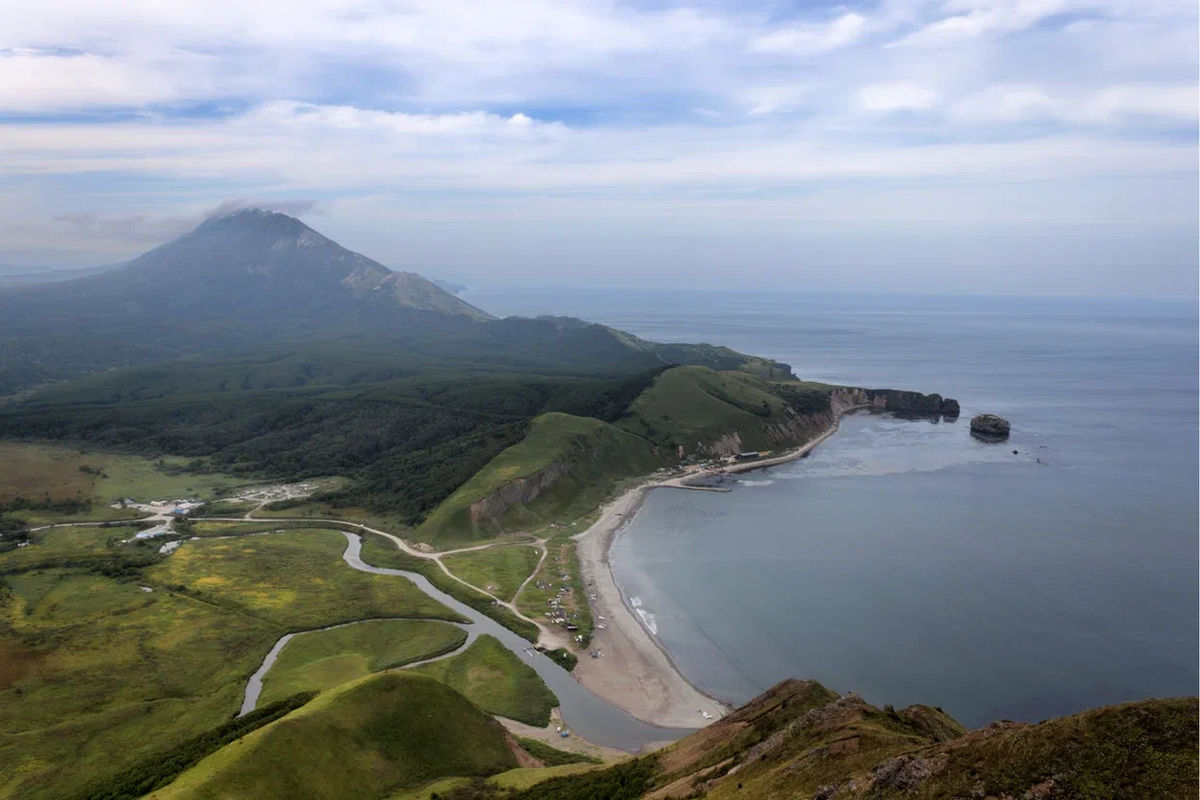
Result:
{"points": [[498, 570], [321, 660], [489, 675], [112, 654]]}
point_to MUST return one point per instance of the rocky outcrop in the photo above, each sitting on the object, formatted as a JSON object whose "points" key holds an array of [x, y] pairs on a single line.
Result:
{"points": [[950, 408], [990, 427]]}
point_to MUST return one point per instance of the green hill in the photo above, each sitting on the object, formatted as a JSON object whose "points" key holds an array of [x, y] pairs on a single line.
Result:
{"points": [[563, 467], [799, 740], [366, 739]]}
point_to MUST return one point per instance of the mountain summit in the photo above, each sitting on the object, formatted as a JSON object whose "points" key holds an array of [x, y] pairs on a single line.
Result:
{"points": [[253, 251]]}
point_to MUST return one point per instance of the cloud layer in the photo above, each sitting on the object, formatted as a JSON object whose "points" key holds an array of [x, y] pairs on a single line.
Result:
{"points": [[649, 122]]}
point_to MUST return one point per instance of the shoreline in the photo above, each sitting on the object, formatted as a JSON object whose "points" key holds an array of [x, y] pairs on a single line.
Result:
{"points": [[635, 671]]}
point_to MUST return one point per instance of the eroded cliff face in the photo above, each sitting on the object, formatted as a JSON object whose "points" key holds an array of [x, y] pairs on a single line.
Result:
{"points": [[487, 514]]}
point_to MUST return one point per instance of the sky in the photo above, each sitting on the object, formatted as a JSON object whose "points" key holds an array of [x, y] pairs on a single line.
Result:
{"points": [[1008, 146]]}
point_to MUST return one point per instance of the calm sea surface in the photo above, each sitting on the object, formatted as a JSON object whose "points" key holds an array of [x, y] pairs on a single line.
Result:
{"points": [[907, 562]]}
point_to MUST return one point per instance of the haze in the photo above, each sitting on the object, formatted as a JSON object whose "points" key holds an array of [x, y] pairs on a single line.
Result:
{"points": [[1015, 146]]}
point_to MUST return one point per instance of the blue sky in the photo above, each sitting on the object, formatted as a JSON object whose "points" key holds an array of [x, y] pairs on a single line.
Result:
{"points": [[997, 146]]}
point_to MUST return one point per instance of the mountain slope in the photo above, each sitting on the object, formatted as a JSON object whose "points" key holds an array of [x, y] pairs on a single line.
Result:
{"points": [[255, 280], [237, 280], [800, 740]]}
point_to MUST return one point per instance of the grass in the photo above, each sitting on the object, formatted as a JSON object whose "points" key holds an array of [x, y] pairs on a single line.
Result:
{"points": [[54, 472], [687, 406], [498, 570], [324, 659], [314, 509], [552, 756], [380, 552], [493, 678], [367, 739], [563, 468], [296, 579], [538, 595], [524, 778], [90, 547], [97, 673]]}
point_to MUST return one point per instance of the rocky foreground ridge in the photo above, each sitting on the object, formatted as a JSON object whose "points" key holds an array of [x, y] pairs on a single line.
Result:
{"points": [[801, 741]]}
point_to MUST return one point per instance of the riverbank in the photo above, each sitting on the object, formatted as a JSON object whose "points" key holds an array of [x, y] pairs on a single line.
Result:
{"points": [[634, 671]]}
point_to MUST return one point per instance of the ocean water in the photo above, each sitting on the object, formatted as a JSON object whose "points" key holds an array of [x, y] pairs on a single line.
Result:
{"points": [[905, 560]]}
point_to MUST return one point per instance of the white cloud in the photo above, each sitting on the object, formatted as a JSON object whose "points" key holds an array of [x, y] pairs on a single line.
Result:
{"points": [[888, 97], [982, 18], [813, 38]]}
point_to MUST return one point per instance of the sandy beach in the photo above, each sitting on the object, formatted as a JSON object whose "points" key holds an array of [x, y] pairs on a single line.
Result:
{"points": [[635, 672]]}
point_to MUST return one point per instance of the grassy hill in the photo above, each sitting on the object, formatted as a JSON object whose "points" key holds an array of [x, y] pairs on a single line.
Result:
{"points": [[365, 739], [799, 740], [564, 467]]}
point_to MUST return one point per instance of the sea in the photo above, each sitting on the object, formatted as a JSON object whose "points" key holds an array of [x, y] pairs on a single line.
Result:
{"points": [[906, 561]]}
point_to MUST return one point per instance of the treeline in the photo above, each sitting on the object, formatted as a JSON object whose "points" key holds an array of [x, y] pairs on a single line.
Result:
{"points": [[407, 444], [162, 768]]}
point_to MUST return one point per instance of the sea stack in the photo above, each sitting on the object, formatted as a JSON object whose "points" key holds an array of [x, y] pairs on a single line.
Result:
{"points": [[950, 408], [990, 428]]}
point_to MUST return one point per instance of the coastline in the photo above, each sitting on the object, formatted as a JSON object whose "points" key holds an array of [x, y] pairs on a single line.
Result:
{"points": [[635, 671]]}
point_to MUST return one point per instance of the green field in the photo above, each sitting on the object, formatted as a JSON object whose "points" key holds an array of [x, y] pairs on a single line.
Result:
{"points": [[296, 578], [497, 570], [324, 659], [98, 673], [380, 552], [493, 678], [51, 474], [367, 739]]}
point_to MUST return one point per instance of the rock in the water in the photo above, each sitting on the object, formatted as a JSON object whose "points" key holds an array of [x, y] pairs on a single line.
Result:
{"points": [[950, 408], [989, 427]]}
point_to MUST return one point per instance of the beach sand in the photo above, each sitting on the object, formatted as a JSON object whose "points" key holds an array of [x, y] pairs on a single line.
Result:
{"points": [[634, 671]]}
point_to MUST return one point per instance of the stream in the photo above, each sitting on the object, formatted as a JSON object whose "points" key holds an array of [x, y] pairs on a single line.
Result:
{"points": [[586, 714]]}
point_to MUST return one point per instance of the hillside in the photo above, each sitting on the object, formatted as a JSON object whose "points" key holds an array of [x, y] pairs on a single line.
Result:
{"points": [[799, 740], [365, 739]]}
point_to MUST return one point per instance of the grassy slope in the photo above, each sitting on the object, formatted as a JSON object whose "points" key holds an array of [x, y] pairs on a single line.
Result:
{"points": [[494, 679], [99, 674], [324, 659], [367, 739], [693, 406], [595, 455], [499, 570], [800, 740]]}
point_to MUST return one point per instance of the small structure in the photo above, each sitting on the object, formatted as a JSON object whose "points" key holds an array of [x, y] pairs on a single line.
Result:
{"points": [[748, 455]]}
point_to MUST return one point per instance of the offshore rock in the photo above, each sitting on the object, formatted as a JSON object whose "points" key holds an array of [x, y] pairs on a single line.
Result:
{"points": [[950, 408], [990, 427]]}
